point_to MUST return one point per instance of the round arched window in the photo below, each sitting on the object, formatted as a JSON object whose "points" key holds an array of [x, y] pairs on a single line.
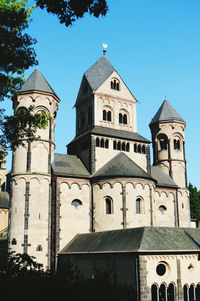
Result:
{"points": [[162, 209], [76, 203], [161, 269]]}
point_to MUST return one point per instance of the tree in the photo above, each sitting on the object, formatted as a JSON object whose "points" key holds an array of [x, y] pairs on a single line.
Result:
{"points": [[17, 55], [194, 201], [68, 11]]}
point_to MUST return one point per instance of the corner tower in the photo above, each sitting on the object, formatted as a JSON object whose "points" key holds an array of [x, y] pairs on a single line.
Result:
{"points": [[30, 212], [168, 138]]}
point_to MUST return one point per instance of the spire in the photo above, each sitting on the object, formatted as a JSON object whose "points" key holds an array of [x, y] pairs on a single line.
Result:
{"points": [[166, 112], [37, 82]]}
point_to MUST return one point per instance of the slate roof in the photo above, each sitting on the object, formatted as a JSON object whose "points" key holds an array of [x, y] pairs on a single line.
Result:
{"points": [[162, 178], [166, 112], [4, 200], [109, 132], [69, 165], [37, 82], [143, 239], [99, 72], [121, 166]]}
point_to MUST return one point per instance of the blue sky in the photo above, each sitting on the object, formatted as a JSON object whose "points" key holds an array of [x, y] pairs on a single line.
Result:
{"points": [[155, 47]]}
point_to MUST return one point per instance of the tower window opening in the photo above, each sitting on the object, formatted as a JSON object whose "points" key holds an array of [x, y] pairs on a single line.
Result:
{"points": [[135, 148], [162, 209], [102, 143], [177, 144], [127, 147], [119, 145], [139, 149], [123, 118], [143, 149], [106, 143], [114, 84], [107, 115], [109, 206], [97, 142], [163, 144], [114, 144], [123, 146]]}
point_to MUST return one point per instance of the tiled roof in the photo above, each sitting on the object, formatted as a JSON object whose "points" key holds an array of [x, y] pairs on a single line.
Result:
{"points": [[37, 82], [69, 165], [162, 178], [166, 112], [143, 239], [121, 166]]}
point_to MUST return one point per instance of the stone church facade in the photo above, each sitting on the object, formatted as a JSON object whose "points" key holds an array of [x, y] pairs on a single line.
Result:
{"points": [[105, 181]]}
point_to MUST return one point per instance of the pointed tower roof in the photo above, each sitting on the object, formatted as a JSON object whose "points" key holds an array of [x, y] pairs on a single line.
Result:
{"points": [[37, 82], [99, 72], [166, 112], [122, 166]]}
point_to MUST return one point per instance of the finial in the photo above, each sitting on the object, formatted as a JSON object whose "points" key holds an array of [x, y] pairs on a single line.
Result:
{"points": [[104, 49]]}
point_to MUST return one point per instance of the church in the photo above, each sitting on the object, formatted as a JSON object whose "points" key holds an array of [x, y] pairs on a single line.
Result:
{"points": [[104, 201]]}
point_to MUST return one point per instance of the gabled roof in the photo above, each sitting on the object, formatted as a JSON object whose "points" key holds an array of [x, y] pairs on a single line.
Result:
{"points": [[99, 72], [166, 112], [121, 166], [162, 178], [37, 82], [143, 239], [69, 165]]}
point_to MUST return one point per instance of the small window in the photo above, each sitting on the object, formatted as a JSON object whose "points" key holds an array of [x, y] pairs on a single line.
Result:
{"points": [[97, 142], [106, 143], [120, 118], [177, 144], [123, 146], [109, 206], [163, 144], [135, 148], [139, 149], [143, 149], [114, 144], [114, 84], [123, 119], [127, 147], [14, 242], [162, 209], [102, 143], [119, 145], [138, 206], [76, 203], [39, 248], [161, 269], [109, 116], [104, 115]]}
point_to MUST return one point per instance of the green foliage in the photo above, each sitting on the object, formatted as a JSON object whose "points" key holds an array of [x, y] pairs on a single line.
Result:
{"points": [[68, 11], [194, 201], [16, 46]]}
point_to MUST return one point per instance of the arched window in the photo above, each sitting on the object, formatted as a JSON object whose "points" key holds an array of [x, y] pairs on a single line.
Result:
{"points": [[143, 149], [162, 292], [123, 146], [114, 144], [177, 144], [170, 292], [138, 205], [162, 209], [119, 145], [104, 115], [114, 84], [120, 118], [127, 147], [154, 292], [76, 203], [139, 149], [97, 142], [197, 292], [109, 205], [186, 293], [163, 142], [135, 148], [106, 143], [191, 292], [109, 115], [102, 143], [123, 118]]}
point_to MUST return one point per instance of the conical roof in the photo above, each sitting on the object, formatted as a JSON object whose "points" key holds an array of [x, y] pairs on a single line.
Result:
{"points": [[37, 82], [121, 166], [166, 112]]}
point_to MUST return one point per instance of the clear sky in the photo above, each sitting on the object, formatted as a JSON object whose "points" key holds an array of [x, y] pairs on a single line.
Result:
{"points": [[155, 47]]}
